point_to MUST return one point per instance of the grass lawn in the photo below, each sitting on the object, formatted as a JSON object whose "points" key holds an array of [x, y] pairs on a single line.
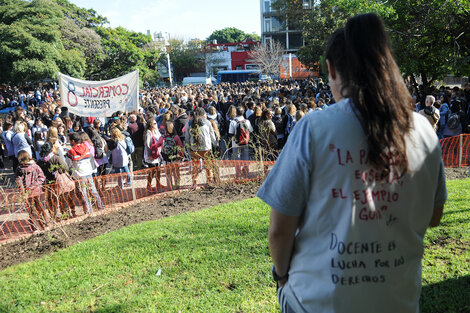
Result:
{"points": [[214, 260]]}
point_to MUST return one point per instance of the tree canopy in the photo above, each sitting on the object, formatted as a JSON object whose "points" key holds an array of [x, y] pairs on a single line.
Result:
{"points": [[430, 37], [231, 34], [39, 38]]}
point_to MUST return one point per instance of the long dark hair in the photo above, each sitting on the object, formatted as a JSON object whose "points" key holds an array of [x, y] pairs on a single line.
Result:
{"points": [[361, 53]]}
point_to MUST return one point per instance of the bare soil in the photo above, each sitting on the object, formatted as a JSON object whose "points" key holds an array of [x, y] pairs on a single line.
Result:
{"points": [[37, 245]]}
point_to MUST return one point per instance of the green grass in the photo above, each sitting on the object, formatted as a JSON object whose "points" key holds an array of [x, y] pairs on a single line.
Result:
{"points": [[214, 260]]}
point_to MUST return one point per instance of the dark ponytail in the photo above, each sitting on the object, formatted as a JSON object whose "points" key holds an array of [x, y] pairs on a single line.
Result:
{"points": [[361, 54]]}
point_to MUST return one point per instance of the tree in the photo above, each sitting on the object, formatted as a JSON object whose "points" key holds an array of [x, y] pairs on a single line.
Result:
{"points": [[430, 37], [124, 51], [231, 34], [31, 48], [269, 58], [186, 58]]}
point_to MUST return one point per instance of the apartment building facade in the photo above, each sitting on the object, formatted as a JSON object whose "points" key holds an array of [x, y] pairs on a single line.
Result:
{"points": [[272, 29]]}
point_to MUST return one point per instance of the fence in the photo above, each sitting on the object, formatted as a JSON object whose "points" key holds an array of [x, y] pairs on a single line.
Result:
{"points": [[23, 213], [456, 151]]}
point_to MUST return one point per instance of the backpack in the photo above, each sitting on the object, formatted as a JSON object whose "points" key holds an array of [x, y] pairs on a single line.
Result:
{"points": [[290, 124], [154, 149], [130, 145], [242, 136], [169, 149], [453, 121], [119, 155]]}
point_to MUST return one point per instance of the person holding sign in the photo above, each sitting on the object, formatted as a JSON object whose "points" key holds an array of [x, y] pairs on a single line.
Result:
{"points": [[355, 243]]}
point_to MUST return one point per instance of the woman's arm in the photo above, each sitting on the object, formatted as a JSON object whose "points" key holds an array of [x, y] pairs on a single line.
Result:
{"points": [[281, 241]]}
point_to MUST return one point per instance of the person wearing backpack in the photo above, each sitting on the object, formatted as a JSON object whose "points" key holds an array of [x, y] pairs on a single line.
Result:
{"points": [[239, 130], [430, 112], [120, 156], [201, 140], [152, 155], [172, 151]]}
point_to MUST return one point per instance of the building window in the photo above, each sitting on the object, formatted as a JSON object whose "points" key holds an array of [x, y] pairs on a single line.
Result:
{"points": [[307, 4], [267, 25], [267, 6], [276, 24]]}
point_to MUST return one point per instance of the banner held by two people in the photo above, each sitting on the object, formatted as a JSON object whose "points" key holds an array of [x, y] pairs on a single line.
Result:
{"points": [[100, 98]]}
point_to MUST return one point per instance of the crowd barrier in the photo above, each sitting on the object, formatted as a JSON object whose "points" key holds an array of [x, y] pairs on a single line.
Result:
{"points": [[23, 213], [456, 151]]}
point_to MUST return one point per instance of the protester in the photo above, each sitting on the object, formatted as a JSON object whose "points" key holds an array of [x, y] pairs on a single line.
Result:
{"points": [[79, 160], [355, 198], [152, 155], [29, 178]]}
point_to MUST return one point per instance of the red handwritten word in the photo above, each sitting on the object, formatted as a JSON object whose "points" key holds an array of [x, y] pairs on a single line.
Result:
{"points": [[372, 175], [369, 215], [105, 92], [375, 196], [337, 193]]}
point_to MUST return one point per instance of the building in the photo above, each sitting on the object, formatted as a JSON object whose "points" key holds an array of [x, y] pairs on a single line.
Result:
{"points": [[272, 29], [229, 56]]}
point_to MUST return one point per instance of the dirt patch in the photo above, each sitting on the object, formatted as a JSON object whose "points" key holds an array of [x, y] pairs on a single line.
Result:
{"points": [[44, 243], [456, 173], [40, 244]]}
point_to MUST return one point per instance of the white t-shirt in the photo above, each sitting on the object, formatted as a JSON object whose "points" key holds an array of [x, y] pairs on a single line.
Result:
{"points": [[360, 242], [232, 128]]}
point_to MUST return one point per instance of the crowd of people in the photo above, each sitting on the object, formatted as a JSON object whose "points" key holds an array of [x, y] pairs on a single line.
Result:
{"points": [[44, 143]]}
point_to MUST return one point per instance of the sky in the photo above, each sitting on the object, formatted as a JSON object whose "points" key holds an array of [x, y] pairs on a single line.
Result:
{"points": [[183, 19]]}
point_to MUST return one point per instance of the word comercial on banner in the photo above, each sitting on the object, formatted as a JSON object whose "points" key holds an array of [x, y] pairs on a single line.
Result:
{"points": [[102, 98]]}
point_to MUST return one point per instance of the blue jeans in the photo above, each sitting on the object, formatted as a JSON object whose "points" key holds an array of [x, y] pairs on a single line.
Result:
{"points": [[124, 169], [85, 184], [241, 152]]}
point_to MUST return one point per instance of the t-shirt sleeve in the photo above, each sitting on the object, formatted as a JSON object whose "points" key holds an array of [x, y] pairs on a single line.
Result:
{"points": [[287, 186], [441, 190]]}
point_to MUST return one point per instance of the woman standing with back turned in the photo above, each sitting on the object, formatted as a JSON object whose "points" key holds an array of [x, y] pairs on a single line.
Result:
{"points": [[355, 244]]}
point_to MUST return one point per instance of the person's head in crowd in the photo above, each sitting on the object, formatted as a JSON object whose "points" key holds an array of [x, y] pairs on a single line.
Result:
{"points": [[46, 149], [61, 130], [277, 111], [19, 127], [85, 138], [7, 126], [24, 158], [212, 111], [123, 119], [20, 113], [291, 109], [298, 115], [97, 124], [52, 132], [240, 111], [68, 123], [38, 136], [170, 129], [361, 67], [266, 115], [258, 111], [116, 135], [151, 124], [168, 116], [232, 112], [430, 100], [132, 118], [77, 126], [75, 138]]}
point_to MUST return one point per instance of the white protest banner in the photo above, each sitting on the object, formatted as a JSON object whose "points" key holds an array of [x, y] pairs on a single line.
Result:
{"points": [[100, 98]]}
